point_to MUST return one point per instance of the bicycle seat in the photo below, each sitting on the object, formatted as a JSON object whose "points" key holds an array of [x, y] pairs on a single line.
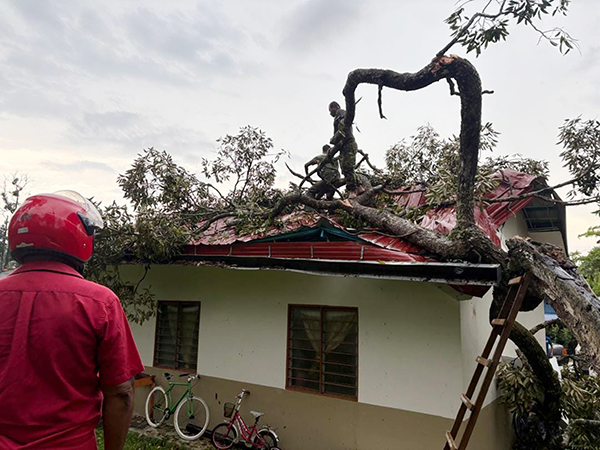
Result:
{"points": [[168, 376], [257, 414]]}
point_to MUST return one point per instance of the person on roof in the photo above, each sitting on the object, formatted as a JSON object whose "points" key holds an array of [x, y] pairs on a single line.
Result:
{"points": [[329, 174], [67, 355], [344, 138]]}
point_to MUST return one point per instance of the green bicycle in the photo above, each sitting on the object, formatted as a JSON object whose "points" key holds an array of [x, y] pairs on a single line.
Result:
{"points": [[190, 413]]}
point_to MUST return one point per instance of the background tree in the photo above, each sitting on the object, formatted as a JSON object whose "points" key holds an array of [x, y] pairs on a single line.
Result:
{"points": [[12, 195]]}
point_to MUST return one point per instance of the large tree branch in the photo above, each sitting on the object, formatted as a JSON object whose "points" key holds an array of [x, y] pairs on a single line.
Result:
{"points": [[540, 365], [558, 282], [442, 67]]}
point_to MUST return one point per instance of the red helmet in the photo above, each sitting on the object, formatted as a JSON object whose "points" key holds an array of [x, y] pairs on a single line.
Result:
{"points": [[62, 223]]}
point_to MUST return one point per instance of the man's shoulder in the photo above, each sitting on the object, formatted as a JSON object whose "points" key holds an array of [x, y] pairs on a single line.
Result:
{"points": [[92, 290], [58, 282]]}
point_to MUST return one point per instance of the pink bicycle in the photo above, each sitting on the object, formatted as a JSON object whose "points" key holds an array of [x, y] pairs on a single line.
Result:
{"points": [[227, 434]]}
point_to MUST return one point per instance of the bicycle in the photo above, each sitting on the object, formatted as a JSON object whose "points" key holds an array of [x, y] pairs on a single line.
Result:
{"points": [[226, 434], [191, 415]]}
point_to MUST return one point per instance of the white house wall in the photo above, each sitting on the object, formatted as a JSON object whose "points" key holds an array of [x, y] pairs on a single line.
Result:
{"points": [[409, 333], [551, 237], [475, 325]]}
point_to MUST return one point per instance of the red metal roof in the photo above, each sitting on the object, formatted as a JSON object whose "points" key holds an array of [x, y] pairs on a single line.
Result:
{"points": [[223, 239]]}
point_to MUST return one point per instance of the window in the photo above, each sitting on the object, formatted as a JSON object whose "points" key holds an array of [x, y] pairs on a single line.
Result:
{"points": [[323, 350], [177, 327]]}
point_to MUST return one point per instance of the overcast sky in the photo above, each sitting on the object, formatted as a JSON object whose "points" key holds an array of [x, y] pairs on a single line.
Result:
{"points": [[86, 85]]}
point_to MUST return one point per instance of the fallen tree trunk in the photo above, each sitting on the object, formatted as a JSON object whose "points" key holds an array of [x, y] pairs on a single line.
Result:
{"points": [[559, 283]]}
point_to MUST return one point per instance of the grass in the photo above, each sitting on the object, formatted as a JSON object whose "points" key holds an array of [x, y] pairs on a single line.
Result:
{"points": [[136, 441]]}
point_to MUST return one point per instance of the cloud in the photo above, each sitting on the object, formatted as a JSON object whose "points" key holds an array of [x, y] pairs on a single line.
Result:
{"points": [[78, 166], [134, 132], [315, 23], [53, 42]]}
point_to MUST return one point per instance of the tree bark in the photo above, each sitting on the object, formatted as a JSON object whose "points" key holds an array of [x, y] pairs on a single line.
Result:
{"points": [[540, 365], [559, 283], [469, 84]]}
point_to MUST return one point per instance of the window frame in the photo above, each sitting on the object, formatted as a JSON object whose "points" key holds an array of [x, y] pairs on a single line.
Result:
{"points": [[179, 306], [321, 308]]}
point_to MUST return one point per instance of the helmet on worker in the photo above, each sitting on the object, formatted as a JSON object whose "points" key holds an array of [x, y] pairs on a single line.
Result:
{"points": [[58, 226]]}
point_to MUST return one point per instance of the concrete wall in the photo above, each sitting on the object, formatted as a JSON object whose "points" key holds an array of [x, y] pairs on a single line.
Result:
{"points": [[551, 237], [305, 421], [409, 333]]}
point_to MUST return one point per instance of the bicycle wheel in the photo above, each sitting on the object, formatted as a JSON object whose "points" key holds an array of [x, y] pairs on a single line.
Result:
{"points": [[156, 407], [267, 439], [191, 418], [224, 436]]}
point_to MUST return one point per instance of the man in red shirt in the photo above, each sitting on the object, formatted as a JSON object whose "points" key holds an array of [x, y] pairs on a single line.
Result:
{"points": [[67, 356]]}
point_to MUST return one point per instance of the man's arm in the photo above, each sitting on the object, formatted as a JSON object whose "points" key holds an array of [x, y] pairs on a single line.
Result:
{"points": [[340, 132], [312, 162], [117, 409]]}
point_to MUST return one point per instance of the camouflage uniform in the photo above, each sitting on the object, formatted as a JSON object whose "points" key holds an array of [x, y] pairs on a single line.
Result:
{"points": [[348, 151], [329, 175]]}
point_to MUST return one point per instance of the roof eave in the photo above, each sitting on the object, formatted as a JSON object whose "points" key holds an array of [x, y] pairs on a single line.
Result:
{"points": [[463, 274]]}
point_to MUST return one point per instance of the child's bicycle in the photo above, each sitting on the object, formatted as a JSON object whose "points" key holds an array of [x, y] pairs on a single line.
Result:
{"points": [[191, 413], [226, 434]]}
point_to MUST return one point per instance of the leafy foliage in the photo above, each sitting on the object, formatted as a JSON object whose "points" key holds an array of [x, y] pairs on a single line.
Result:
{"points": [[581, 155], [242, 159], [521, 391], [589, 266], [476, 31], [112, 245], [580, 399], [430, 160], [156, 182]]}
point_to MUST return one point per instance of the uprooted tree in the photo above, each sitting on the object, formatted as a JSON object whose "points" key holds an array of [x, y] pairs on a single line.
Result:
{"points": [[169, 201]]}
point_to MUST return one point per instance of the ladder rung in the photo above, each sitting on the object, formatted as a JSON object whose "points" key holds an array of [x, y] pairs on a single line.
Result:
{"points": [[499, 322], [467, 402], [483, 361], [516, 280], [450, 440]]}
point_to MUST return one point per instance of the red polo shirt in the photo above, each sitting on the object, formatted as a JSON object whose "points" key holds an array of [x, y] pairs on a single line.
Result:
{"points": [[61, 338]]}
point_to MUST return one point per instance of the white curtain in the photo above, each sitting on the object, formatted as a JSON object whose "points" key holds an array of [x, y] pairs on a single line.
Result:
{"points": [[339, 324], [312, 324]]}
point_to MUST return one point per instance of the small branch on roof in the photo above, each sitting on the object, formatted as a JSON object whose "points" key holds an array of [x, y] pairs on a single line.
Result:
{"points": [[543, 325], [583, 201], [486, 92], [298, 197], [380, 102], [535, 193], [409, 191], [365, 158], [213, 219], [310, 180]]}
